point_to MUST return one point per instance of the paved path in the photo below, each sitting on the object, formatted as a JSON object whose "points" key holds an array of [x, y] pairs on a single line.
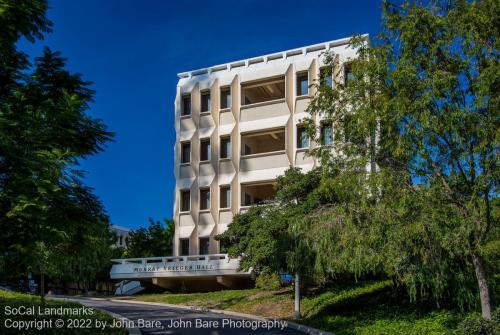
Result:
{"points": [[171, 320]]}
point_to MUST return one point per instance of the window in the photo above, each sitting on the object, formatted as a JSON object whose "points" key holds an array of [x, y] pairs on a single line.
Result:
{"points": [[225, 147], [204, 198], [325, 76], [225, 197], [266, 90], [185, 152], [302, 138], [121, 241], [225, 97], [185, 200], [205, 150], [326, 134], [263, 141], [204, 245], [348, 75], [302, 84], [186, 104], [205, 102], [184, 244]]}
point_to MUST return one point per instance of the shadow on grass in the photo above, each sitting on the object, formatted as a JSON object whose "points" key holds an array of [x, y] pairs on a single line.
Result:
{"points": [[375, 308]]}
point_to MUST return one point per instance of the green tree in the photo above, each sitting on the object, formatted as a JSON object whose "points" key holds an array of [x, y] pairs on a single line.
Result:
{"points": [[263, 233], [409, 186], [44, 132], [155, 240], [423, 105]]}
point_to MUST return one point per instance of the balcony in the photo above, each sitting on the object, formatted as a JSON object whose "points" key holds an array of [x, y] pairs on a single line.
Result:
{"points": [[263, 155], [263, 167], [257, 194], [263, 142], [263, 105], [263, 91]]}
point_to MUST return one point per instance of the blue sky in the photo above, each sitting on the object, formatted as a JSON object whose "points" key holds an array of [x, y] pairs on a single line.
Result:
{"points": [[132, 50]]}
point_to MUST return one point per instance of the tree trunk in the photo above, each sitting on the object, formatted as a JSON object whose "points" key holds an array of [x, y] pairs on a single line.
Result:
{"points": [[483, 286], [42, 287]]}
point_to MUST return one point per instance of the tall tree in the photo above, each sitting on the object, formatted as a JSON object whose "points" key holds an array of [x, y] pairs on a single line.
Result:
{"points": [[421, 110], [44, 131]]}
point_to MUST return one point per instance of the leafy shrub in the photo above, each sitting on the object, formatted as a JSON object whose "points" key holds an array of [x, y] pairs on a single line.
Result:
{"points": [[476, 325], [268, 281]]}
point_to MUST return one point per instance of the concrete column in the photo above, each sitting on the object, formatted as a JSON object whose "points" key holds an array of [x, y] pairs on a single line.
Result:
{"points": [[297, 297]]}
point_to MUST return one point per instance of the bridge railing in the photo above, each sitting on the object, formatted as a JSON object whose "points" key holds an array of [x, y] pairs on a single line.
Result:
{"points": [[171, 259]]}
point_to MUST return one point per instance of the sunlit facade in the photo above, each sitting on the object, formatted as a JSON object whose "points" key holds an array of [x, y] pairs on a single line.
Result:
{"points": [[238, 127]]}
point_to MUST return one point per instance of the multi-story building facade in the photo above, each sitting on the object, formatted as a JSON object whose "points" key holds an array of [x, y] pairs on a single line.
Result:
{"points": [[238, 127]]}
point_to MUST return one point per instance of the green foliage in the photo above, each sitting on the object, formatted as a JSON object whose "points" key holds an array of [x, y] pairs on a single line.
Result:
{"points": [[16, 300], [420, 115], [365, 308], [375, 308], [155, 240], [44, 132], [262, 233], [268, 281], [476, 325], [424, 98]]}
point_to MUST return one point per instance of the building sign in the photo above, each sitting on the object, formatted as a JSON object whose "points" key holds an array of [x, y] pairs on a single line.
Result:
{"points": [[176, 268]]}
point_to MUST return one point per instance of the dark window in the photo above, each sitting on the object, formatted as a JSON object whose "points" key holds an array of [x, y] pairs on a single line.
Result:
{"points": [[348, 75], [248, 150], [205, 198], [184, 246], [225, 147], [185, 152], [225, 97], [302, 138], [121, 241], [205, 102], [205, 150], [302, 84], [204, 245], [225, 197], [326, 77], [326, 134], [185, 201], [247, 200], [186, 104]]}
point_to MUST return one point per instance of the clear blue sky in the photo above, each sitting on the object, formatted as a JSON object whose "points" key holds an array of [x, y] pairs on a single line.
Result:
{"points": [[133, 49]]}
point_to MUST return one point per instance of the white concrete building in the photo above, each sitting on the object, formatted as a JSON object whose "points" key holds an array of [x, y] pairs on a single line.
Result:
{"points": [[238, 127]]}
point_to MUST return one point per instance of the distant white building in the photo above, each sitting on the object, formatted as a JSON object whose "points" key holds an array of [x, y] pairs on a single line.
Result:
{"points": [[122, 235]]}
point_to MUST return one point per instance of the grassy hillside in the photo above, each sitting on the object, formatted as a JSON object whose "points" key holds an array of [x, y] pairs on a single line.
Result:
{"points": [[368, 308], [9, 301]]}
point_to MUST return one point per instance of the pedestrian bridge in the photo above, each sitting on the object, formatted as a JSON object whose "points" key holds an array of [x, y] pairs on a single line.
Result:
{"points": [[194, 272]]}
